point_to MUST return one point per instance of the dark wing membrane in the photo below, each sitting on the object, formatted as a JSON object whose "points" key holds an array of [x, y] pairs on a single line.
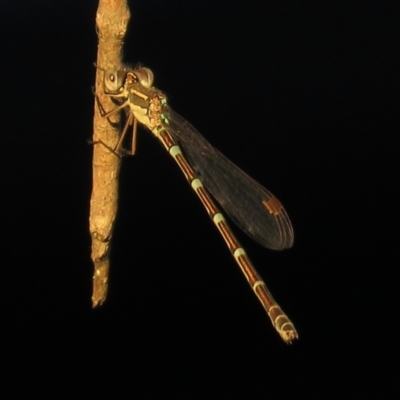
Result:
{"points": [[250, 206]]}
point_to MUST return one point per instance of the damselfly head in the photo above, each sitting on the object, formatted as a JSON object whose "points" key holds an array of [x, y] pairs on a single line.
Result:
{"points": [[114, 80], [145, 77]]}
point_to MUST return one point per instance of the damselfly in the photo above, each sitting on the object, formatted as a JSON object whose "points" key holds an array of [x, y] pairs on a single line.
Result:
{"points": [[252, 207]]}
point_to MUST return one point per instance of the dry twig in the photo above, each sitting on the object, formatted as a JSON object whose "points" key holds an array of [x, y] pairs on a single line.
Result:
{"points": [[111, 21]]}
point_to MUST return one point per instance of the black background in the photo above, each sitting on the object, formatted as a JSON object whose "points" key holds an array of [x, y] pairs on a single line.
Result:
{"points": [[304, 97]]}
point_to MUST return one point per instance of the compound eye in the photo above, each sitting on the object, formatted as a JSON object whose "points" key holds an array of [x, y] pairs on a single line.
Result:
{"points": [[111, 81], [145, 77]]}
